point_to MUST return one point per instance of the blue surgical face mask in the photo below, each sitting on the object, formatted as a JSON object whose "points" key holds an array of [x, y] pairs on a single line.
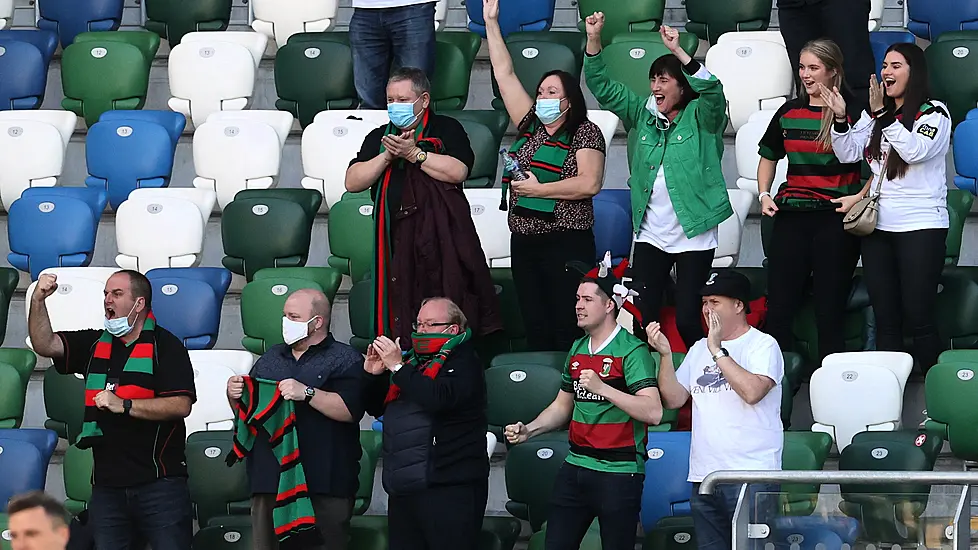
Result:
{"points": [[548, 110], [120, 326], [661, 122], [402, 114]]}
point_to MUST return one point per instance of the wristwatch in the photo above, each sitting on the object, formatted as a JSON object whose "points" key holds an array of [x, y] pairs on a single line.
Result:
{"points": [[310, 393], [721, 354], [762, 195], [126, 406], [422, 156], [397, 367]]}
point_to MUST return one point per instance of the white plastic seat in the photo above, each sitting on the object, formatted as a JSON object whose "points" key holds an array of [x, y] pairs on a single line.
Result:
{"points": [[748, 137], [441, 12], [897, 362], [6, 13], [32, 155], [238, 361], [848, 399], [730, 232], [769, 36], [875, 15], [211, 411], [607, 121], [78, 302], [213, 73], [491, 224], [280, 121], [162, 229], [490, 443], [280, 19], [756, 75], [341, 133], [235, 154], [64, 121]]}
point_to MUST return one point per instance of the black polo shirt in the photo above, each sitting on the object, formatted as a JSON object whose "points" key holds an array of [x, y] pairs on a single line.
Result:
{"points": [[329, 450], [133, 451], [452, 135]]}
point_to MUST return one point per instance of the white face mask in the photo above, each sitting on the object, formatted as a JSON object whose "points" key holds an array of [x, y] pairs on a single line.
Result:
{"points": [[661, 121], [293, 331]]}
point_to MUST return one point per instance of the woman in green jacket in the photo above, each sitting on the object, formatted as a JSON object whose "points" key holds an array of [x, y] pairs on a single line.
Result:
{"points": [[678, 194]]}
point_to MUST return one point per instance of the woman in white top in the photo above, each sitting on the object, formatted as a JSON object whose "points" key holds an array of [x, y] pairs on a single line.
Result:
{"points": [[905, 140]]}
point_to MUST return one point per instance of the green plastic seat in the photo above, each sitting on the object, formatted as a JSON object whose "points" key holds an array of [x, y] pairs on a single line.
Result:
{"points": [[805, 330], [629, 57], [958, 205], [8, 285], [536, 53], [351, 236], [454, 56], [803, 451], [214, 485], [364, 537], [13, 395], [554, 359], [959, 356], [951, 389], [4, 523], [496, 121], [794, 367], [486, 148], [591, 541], [313, 73], [957, 300], [21, 359], [104, 71], [64, 402], [229, 536], [621, 17], [78, 465], [268, 228], [954, 79], [370, 446], [518, 393], [531, 469], [263, 298], [499, 533], [930, 444], [513, 337], [708, 19], [671, 533], [361, 321], [171, 19]]}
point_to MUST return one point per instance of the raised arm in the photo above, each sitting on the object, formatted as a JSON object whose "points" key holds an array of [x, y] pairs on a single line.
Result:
{"points": [[43, 338], [611, 94], [848, 141], [711, 109], [673, 394], [518, 103]]}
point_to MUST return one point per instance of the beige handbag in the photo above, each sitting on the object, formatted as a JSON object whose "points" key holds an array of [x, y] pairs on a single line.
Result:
{"points": [[861, 219]]}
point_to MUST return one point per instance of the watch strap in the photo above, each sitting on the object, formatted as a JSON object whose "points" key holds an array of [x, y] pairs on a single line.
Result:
{"points": [[126, 406]]}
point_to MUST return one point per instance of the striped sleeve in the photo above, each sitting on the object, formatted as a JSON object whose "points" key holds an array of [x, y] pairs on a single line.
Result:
{"points": [[640, 370]]}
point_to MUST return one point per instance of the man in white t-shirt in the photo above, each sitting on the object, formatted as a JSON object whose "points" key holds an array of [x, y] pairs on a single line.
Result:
{"points": [[734, 377]]}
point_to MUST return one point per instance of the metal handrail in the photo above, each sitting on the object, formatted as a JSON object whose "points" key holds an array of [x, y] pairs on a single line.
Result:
{"points": [[854, 477]]}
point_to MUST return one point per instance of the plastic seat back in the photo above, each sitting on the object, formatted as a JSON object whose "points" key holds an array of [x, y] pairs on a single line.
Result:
{"points": [[78, 466], [262, 301], [486, 149], [313, 73], [46, 42], [370, 447], [873, 393], [666, 491], [756, 75], [187, 302], [351, 237], [156, 230], [210, 412], [361, 324], [881, 40], [13, 394], [635, 16], [43, 440], [730, 231], [24, 469], [172, 19], [746, 146], [64, 403], [514, 15], [491, 224], [607, 122], [531, 469], [929, 18], [70, 18], [948, 388], [213, 485], [959, 204], [965, 153], [342, 134], [77, 304], [899, 363], [33, 153], [454, 55], [554, 359], [630, 56], [612, 228], [957, 294], [280, 19], [708, 19], [804, 451], [953, 66], [328, 278], [518, 393], [534, 58], [23, 75]]}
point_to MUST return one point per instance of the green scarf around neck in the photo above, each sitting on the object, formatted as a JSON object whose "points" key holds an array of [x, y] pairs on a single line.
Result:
{"points": [[546, 164], [432, 363]]}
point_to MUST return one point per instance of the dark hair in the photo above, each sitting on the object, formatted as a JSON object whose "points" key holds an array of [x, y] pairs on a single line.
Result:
{"points": [[419, 81], [39, 499], [140, 286], [916, 94], [669, 65], [576, 107]]}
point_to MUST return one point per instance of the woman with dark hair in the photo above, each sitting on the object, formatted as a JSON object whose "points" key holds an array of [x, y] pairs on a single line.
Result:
{"points": [[678, 193], [550, 211], [905, 139]]}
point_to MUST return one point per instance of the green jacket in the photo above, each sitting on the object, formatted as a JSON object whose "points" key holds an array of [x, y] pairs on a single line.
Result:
{"points": [[690, 150]]}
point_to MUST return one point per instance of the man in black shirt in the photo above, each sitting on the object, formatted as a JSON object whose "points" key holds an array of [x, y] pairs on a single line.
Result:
{"points": [[134, 422], [323, 377]]}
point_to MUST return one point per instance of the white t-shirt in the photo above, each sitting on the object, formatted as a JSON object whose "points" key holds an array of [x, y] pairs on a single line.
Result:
{"points": [[660, 226], [729, 434], [373, 4]]}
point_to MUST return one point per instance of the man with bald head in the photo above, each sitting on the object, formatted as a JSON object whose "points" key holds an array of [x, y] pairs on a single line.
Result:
{"points": [[323, 377]]}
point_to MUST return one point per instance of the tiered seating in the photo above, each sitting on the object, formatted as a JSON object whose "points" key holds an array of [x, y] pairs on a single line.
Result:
{"points": [[708, 19], [630, 55], [216, 489], [187, 302], [536, 53], [748, 137], [172, 19], [350, 233], [636, 16], [24, 67], [162, 227], [730, 232], [949, 385], [77, 304], [69, 18], [314, 72], [454, 56], [212, 368], [666, 492], [491, 224], [952, 62], [965, 153], [881, 40], [531, 469], [341, 133], [214, 71], [32, 148], [929, 18], [279, 20], [514, 15], [756, 75], [234, 151], [126, 150]]}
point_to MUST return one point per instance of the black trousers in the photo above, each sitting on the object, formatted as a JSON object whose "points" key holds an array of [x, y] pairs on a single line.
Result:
{"points": [[580, 495], [843, 22], [546, 288], [650, 270], [439, 518], [803, 245], [902, 273]]}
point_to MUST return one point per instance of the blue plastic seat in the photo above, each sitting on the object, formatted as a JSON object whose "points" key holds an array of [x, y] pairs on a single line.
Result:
{"points": [[126, 153], [666, 492], [808, 532], [23, 467], [68, 18], [965, 145], [929, 18], [43, 440], [881, 40], [514, 15], [612, 227], [187, 302], [23, 75], [53, 227], [45, 41]]}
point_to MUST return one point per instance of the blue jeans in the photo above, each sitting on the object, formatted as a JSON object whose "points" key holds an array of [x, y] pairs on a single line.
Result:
{"points": [[580, 495], [713, 514], [381, 36], [159, 512]]}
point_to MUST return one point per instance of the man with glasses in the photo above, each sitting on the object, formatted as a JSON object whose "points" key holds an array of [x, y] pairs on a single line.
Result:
{"points": [[433, 400]]}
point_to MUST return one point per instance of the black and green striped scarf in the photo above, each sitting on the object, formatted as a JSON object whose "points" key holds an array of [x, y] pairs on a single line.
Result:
{"points": [[546, 164]]}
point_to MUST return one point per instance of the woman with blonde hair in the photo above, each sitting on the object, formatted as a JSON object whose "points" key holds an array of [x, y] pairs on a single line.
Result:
{"points": [[808, 240]]}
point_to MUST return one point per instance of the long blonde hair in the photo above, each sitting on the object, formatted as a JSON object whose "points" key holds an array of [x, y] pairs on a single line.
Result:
{"points": [[829, 54]]}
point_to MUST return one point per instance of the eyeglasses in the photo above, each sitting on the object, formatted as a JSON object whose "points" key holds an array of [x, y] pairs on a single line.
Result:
{"points": [[416, 325]]}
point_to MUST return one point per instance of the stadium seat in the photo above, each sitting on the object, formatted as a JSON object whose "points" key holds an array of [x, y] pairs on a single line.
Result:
{"points": [[278, 19], [126, 154], [341, 133], [54, 227], [591, 540], [77, 468], [953, 66], [666, 491], [535, 54], [64, 403], [612, 228], [103, 71], [234, 154], [930, 443], [213, 485], [635, 16], [959, 204], [454, 55], [13, 396], [531, 469], [899, 363], [794, 367], [708, 19], [172, 19], [928, 19], [630, 56], [768, 36], [965, 153], [959, 356], [671, 533], [607, 122], [485, 146], [313, 73], [957, 296], [212, 72], [874, 395], [211, 411], [881, 40], [756, 75], [42, 439], [370, 446], [803, 451], [225, 533], [70, 18], [263, 298], [23, 73], [730, 232], [514, 15], [514, 333], [268, 228], [361, 324], [32, 148], [518, 393], [949, 386], [497, 121], [77, 304], [21, 360], [24, 469], [162, 227], [46, 42], [350, 232], [492, 225], [6, 13], [748, 137], [875, 15], [187, 302]]}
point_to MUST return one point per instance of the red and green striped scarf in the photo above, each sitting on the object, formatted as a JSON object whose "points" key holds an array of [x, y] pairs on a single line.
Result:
{"points": [[546, 164], [133, 383], [429, 351], [262, 407]]}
